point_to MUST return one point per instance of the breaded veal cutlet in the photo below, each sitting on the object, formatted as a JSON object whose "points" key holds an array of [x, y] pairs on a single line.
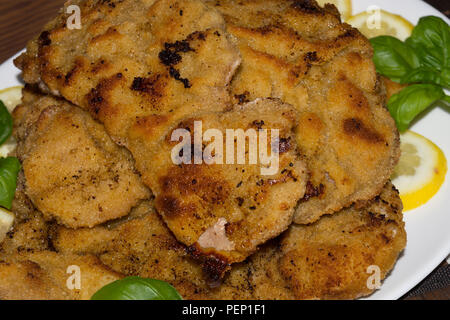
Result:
{"points": [[301, 53], [142, 68], [76, 175], [328, 259]]}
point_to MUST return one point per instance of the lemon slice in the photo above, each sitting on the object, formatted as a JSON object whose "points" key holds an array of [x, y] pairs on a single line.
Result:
{"points": [[344, 7], [377, 22], [421, 170], [11, 97], [6, 222]]}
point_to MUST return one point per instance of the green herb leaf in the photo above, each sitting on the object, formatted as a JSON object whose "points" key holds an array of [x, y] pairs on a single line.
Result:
{"points": [[431, 41], [9, 169], [446, 99], [424, 75], [393, 58], [411, 101], [6, 123], [136, 288]]}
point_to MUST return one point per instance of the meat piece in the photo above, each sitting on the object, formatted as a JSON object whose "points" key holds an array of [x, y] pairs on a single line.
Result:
{"points": [[249, 208], [328, 259], [333, 258], [302, 54], [73, 172], [336, 252], [225, 210], [44, 276], [140, 246], [136, 65]]}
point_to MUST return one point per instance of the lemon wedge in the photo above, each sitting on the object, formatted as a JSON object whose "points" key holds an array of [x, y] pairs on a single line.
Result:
{"points": [[376, 22], [344, 7], [11, 97], [421, 170], [6, 222]]}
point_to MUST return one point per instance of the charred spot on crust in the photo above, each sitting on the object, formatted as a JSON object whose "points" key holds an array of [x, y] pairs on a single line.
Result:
{"points": [[109, 3], [95, 100], [307, 6], [212, 190], [214, 265], [169, 57], [285, 145], [350, 33], [97, 97], [174, 73], [243, 97], [172, 207], [44, 39], [100, 65], [146, 85], [375, 220], [264, 30], [258, 124], [312, 191], [77, 67], [311, 57], [171, 54], [355, 127]]}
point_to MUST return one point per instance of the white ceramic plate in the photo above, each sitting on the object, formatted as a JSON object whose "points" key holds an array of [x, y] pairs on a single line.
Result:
{"points": [[428, 227]]}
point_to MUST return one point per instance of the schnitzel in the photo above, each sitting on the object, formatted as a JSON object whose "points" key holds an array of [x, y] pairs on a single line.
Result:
{"points": [[169, 79], [100, 187], [325, 260], [328, 259], [197, 200], [30, 269], [302, 54], [74, 173], [137, 66], [43, 275], [77, 176]]}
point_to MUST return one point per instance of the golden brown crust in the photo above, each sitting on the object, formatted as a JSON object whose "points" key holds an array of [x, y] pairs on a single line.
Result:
{"points": [[31, 269], [325, 260], [146, 67], [303, 55], [192, 198], [43, 276], [73, 172], [336, 252]]}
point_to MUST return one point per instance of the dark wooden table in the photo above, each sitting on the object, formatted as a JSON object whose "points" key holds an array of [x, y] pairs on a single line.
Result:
{"points": [[22, 19]]}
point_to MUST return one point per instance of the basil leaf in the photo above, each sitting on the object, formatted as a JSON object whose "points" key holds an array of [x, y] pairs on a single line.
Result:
{"points": [[446, 99], [393, 58], [9, 169], [136, 288], [445, 75], [430, 40], [424, 75], [411, 101], [6, 123]]}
